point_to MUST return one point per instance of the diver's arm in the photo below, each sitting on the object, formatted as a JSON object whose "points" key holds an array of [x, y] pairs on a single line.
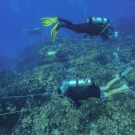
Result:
{"points": [[71, 96]]}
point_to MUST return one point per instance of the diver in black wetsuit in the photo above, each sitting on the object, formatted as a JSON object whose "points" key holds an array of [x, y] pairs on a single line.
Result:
{"points": [[36, 31], [82, 89], [93, 27]]}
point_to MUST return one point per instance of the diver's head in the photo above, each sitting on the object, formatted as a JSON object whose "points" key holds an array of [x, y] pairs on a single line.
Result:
{"points": [[63, 88]]}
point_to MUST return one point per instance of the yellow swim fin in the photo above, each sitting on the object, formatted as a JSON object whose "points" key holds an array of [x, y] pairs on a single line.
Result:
{"points": [[54, 30], [49, 21]]}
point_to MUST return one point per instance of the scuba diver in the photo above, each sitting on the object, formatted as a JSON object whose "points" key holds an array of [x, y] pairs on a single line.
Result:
{"points": [[36, 31], [82, 89], [93, 27]]}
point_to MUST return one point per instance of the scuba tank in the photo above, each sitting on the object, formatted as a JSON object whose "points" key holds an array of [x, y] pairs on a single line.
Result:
{"points": [[97, 20], [80, 82], [75, 83]]}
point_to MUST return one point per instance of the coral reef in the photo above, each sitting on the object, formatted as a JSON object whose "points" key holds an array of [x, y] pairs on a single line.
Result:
{"points": [[30, 105]]}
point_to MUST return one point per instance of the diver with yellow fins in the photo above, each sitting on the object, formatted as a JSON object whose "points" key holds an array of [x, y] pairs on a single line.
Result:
{"points": [[95, 26]]}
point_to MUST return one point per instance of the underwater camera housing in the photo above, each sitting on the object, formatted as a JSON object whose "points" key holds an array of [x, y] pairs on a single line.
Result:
{"points": [[76, 83], [97, 20]]}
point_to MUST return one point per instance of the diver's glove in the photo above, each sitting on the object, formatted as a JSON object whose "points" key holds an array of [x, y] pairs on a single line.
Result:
{"points": [[104, 36], [106, 33]]}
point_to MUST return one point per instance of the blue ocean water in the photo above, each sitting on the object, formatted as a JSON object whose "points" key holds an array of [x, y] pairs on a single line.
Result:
{"points": [[25, 14], [36, 65]]}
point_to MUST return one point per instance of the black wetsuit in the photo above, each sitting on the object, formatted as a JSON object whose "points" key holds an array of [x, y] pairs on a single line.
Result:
{"points": [[82, 93], [88, 28]]}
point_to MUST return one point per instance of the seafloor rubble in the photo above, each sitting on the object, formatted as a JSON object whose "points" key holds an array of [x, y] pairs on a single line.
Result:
{"points": [[29, 104]]}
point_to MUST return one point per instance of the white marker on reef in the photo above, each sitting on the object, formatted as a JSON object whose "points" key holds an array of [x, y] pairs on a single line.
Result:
{"points": [[115, 54], [116, 34], [118, 48]]}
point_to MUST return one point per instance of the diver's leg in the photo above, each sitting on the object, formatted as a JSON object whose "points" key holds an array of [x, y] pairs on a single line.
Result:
{"points": [[124, 88], [65, 21], [78, 28], [104, 88]]}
